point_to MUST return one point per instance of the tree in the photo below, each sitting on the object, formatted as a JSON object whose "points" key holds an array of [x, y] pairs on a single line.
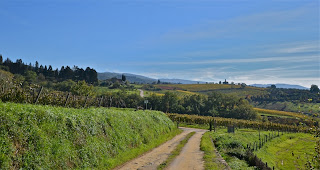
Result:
{"points": [[243, 85], [31, 76], [273, 86], [123, 78], [314, 89], [1, 59], [158, 81], [81, 88]]}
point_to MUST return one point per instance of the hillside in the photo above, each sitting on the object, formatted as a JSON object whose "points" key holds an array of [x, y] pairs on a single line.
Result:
{"points": [[133, 78], [285, 86], [46, 137], [236, 90]]}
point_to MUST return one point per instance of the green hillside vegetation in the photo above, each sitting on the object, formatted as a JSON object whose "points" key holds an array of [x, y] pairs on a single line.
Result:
{"points": [[280, 113], [276, 152], [46, 137], [313, 109], [206, 88], [290, 151], [211, 158]]}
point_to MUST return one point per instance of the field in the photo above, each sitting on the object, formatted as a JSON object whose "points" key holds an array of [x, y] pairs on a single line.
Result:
{"points": [[310, 108], [46, 137], [279, 113], [276, 152], [98, 90], [290, 151], [236, 90]]}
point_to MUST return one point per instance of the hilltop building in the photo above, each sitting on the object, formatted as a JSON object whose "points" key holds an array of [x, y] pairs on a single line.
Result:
{"points": [[225, 81]]}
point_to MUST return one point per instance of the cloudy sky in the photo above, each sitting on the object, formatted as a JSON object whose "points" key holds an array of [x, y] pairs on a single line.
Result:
{"points": [[247, 41]]}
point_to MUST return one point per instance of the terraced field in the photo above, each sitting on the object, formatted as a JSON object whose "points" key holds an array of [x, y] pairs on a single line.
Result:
{"points": [[236, 90]]}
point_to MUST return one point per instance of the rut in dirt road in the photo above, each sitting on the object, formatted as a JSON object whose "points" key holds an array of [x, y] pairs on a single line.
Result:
{"points": [[191, 157], [152, 159]]}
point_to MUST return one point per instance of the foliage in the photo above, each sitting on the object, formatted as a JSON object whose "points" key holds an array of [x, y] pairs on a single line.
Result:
{"points": [[311, 109], [81, 88], [281, 95], [314, 89], [47, 73], [46, 137], [210, 157], [219, 121], [215, 104], [281, 113]]}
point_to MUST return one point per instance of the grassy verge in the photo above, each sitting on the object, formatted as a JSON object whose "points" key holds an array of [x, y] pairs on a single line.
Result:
{"points": [[290, 151], [277, 152], [46, 137], [210, 156], [175, 152]]}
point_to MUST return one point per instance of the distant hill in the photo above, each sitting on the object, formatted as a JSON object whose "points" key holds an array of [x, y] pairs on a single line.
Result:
{"points": [[285, 86], [181, 81], [133, 78]]}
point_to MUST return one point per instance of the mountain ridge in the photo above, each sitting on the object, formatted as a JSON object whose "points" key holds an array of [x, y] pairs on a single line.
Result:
{"points": [[281, 85], [135, 78]]}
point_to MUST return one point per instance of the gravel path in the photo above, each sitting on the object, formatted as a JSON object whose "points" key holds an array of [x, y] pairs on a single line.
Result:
{"points": [[141, 93], [155, 157], [191, 157]]}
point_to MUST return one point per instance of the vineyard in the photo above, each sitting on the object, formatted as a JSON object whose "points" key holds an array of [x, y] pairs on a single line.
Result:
{"points": [[236, 90], [280, 113], [34, 94], [218, 121]]}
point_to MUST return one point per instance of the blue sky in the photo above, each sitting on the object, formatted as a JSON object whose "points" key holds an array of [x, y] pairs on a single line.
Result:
{"points": [[241, 41]]}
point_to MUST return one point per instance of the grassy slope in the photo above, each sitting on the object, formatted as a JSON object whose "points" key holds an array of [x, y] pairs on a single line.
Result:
{"points": [[210, 157], [291, 107], [241, 137], [278, 152], [33, 136], [279, 113]]}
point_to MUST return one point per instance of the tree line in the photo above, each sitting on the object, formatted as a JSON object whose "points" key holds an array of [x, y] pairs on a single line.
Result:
{"points": [[215, 104], [281, 95], [36, 71]]}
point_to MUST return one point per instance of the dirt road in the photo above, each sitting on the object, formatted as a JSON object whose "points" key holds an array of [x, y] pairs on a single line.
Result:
{"points": [[141, 93], [155, 157], [190, 157]]}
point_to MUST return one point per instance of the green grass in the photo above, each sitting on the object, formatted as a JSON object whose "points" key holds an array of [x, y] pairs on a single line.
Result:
{"points": [[197, 126], [46, 137], [99, 90], [313, 108], [189, 89], [290, 151], [273, 115], [210, 157], [277, 152], [232, 145], [175, 152]]}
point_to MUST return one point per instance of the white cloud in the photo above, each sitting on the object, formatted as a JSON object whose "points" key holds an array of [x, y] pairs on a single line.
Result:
{"points": [[288, 59]]}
